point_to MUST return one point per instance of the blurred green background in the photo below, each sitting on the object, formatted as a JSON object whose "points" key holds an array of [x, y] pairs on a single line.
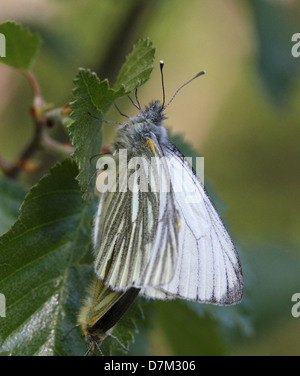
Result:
{"points": [[243, 117]]}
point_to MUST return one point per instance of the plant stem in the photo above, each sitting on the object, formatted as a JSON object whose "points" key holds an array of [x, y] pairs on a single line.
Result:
{"points": [[49, 143], [39, 136]]}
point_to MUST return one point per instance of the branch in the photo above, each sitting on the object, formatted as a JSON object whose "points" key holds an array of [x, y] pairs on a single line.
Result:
{"points": [[5, 165], [39, 136], [26, 153], [49, 143]]}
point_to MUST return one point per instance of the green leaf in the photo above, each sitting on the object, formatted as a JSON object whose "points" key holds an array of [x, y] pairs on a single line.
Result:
{"points": [[21, 45], [40, 267], [86, 131], [187, 333], [95, 97], [137, 67], [46, 264], [92, 97], [12, 195], [275, 24], [275, 267]]}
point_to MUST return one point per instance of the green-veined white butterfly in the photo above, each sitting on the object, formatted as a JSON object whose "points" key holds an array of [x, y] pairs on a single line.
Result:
{"points": [[158, 241]]}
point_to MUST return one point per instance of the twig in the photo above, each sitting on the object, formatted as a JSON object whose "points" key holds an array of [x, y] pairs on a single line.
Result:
{"points": [[39, 136], [32, 146], [52, 144], [34, 84], [5, 165]]}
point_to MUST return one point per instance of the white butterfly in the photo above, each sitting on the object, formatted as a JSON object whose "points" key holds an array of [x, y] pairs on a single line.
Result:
{"points": [[159, 241]]}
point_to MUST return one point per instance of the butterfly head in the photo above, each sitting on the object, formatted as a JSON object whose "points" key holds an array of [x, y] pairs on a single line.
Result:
{"points": [[154, 113]]}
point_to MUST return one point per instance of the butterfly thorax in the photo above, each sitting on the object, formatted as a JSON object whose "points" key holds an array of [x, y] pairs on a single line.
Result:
{"points": [[140, 127]]}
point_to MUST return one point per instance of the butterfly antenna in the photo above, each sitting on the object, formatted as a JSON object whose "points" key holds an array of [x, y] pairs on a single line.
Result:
{"points": [[182, 86], [161, 65]]}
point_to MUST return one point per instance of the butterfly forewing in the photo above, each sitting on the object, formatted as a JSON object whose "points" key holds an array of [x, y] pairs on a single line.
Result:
{"points": [[207, 268]]}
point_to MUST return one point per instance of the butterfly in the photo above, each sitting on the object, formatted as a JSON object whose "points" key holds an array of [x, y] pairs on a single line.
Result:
{"points": [[157, 240]]}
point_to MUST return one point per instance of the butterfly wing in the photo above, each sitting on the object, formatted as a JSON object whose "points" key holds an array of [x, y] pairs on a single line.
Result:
{"points": [[130, 244], [162, 261], [208, 268], [170, 244], [100, 299], [103, 308]]}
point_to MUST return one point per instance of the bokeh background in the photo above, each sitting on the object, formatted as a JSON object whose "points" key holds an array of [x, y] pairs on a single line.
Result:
{"points": [[242, 116]]}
